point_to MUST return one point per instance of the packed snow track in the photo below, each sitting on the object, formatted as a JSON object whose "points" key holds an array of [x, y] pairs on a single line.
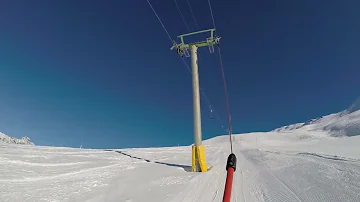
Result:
{"points": [[273, 167]]}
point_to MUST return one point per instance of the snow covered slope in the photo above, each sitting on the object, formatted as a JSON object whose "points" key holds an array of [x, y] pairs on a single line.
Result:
{"points": [[345, 123], [271, 167], [10, 140]]}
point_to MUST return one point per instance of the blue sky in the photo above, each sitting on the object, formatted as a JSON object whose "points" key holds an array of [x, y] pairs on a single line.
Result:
{"points": [[102, 72]]}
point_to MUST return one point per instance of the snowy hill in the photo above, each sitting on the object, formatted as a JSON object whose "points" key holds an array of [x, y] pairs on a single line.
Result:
{"points": [[10, 140], [271, 167], [345, 123]]}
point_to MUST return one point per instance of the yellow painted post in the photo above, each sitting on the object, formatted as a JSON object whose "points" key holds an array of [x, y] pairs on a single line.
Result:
{"points": [[193, 159], [198, 159], [202, 158]]}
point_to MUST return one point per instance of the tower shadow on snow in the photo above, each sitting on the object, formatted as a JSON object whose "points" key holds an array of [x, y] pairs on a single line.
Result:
{"points": [[185, 167]]}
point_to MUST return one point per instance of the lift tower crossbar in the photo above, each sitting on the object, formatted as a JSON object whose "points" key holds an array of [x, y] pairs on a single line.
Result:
{"points": [[183, 49], [198, 150]]}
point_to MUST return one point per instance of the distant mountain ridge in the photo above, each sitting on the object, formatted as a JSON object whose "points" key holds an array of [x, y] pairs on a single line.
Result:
{"points": [[11, 140], [344, 123]]}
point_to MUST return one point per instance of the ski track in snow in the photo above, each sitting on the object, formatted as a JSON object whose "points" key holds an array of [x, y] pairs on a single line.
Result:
{"points": [[266, 174], [306, 178]]}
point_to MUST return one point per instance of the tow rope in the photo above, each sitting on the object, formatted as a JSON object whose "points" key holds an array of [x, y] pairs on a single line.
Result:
{"points": [[231, 161]]}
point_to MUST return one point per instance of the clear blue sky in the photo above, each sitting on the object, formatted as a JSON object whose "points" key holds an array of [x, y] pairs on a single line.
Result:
{"points": [[102, 72]]}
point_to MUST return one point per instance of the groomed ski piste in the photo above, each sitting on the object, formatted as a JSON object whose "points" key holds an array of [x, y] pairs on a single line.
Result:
{"points": [[310, 162]]}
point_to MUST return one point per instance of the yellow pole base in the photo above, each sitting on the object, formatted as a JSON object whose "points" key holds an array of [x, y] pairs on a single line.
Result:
{"points": [[200, 151]]}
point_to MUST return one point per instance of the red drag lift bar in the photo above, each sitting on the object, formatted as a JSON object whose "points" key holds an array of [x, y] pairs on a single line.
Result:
{"points": [[230, 167]]}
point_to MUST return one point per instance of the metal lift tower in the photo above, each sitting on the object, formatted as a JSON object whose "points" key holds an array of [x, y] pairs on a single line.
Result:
{"points": [[198, 150]]}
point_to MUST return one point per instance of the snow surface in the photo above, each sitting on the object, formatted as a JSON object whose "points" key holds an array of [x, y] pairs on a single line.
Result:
{"points": [[274, 166], [11, 140], [309, 162]]}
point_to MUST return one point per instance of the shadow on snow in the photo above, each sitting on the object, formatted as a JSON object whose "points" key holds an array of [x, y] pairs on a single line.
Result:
{"points": [[185, 167]]}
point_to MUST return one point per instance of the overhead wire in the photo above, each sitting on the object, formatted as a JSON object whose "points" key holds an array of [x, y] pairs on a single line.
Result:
{"points": [[182, 16], [212, 16], [226, 99], [193, 15], [160, 21]]}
